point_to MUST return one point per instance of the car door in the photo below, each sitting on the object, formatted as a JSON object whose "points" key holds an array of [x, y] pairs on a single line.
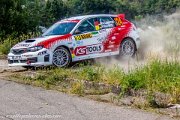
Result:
{"points": [[108, 29], [86, 40]]}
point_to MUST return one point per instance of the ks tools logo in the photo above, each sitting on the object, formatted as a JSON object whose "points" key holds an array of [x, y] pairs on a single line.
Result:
{"points": [[85, 50]]}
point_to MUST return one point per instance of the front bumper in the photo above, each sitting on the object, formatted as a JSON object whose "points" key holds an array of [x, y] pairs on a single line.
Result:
{"points": [[39, 58]]}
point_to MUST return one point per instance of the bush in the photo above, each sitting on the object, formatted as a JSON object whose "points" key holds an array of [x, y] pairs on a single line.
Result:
{"points": [[158, 76], [12, 40], [5, 47]]}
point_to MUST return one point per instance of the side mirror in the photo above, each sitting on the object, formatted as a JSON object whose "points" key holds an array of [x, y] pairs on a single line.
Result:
{"points": [[43, 29], [77, 31]]}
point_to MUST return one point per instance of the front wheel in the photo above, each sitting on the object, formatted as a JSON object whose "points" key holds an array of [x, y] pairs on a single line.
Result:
{"points": [[61, 57], [127, 48]]}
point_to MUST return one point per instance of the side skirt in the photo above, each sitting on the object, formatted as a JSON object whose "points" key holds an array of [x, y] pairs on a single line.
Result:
{"points": [[98, 55]]}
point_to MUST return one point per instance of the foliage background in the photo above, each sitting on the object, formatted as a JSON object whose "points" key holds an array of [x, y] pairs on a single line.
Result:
{"points": [[19, 17]]}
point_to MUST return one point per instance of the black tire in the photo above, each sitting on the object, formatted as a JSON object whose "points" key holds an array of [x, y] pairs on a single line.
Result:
{"points": [[61, 57], [29, 67], [127, 48]]}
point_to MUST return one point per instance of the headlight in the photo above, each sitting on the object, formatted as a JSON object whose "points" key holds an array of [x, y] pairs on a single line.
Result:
{"points": [[34, 49]]}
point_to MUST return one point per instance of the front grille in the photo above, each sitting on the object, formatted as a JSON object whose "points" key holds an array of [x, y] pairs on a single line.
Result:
{"points": [[19, 51], [29, 60], [13, 61], [32, 60], [23, 61]]}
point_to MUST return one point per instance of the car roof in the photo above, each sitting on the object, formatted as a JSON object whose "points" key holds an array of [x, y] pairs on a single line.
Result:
{"points": [[87, 16]]}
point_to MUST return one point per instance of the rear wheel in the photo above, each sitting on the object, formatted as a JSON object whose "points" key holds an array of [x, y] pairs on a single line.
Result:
{"points": [[127, 48], [61, 57]]}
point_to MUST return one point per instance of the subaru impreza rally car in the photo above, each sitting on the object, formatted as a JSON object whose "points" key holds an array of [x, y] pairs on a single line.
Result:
{"points": [[78, 38]]}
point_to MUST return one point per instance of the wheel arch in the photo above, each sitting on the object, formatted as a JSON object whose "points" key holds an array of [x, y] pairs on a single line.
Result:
{"points": [[131, 39], [64, 46]]}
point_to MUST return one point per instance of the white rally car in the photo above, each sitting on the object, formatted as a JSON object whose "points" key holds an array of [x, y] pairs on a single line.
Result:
{"points": [[78, 38]]}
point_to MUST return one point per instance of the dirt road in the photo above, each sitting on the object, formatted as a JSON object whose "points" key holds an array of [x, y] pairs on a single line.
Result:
{"points": [[4, 67], [26, 102], [19, 101]]}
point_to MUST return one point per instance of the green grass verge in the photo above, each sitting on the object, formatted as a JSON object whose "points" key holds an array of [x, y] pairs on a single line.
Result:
{"points": [[157, 77]]}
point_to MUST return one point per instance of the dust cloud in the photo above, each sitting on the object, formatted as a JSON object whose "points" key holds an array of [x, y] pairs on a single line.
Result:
{"points": [[160, 39]]}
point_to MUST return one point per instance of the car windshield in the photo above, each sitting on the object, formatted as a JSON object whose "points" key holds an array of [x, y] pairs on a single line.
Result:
{"points": [[60, 29]]}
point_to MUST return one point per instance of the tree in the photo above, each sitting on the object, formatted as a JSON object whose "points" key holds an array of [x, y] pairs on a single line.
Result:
{"points": [[24, 16]]}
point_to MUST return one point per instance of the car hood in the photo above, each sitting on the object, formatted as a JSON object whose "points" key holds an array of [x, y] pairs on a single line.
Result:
{"points": [[33, 42]]}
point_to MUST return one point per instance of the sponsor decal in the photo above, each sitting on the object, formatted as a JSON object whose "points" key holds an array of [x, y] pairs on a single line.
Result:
{"points": [[27, 55], [85, 50], [100, 39], [42, 53], [80, 42], [123, 26], [118, 21], [111, 42], [116, 34], [97, 27], [108, 24], [74, 44], [109, 50], [22, 45], [83, 36], [94, 33], [81, 51], [103, 30], [114, 38], [94, 49], [73, 55], [111, 46]]}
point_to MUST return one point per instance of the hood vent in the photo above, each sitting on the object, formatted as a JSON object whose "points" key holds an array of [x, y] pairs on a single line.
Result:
{"points": [[29, 41]]}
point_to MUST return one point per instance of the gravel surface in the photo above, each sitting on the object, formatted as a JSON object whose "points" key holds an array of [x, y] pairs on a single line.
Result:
{"points": [[26, 102], [4, 67]]}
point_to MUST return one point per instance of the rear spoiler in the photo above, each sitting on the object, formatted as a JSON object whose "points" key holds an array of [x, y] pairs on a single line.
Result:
{"points": [[122, 16]]}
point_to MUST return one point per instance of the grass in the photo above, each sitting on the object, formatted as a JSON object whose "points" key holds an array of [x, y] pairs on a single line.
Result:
{"points": [[160, 80]]}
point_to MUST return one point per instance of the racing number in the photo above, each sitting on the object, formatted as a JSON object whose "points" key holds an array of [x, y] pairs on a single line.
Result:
{"points": [[118, 21]]}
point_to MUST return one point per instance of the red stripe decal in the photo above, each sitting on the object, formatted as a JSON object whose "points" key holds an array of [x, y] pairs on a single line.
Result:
{"points": [[49, 42]]}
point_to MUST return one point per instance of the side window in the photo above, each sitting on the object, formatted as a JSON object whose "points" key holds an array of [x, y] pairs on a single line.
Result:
{"points": [[107, 22], [96, 23], [85, 27]]}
